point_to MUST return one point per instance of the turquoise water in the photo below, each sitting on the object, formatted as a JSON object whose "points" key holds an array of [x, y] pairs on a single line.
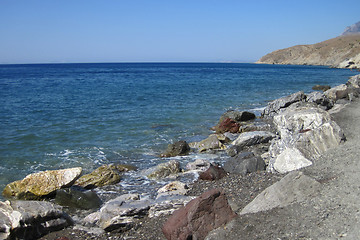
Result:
{"points": [[65, 115]]}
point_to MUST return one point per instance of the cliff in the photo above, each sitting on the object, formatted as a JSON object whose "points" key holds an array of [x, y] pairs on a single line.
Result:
{"points": [[339, 52]]}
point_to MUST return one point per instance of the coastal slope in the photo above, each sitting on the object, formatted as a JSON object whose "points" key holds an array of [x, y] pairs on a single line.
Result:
{"points": [[339, 52]]}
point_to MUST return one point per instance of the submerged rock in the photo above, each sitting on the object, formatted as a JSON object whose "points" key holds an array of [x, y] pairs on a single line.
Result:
{"points": [[31, 219], [41, 184], [78, 198], [321, 87], [176, 149], [102, 176], [197, 218]]}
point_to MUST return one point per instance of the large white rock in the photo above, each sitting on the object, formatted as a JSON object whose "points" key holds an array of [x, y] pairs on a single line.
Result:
{"points": [[253, 138], [289, 160], [294, 187]]}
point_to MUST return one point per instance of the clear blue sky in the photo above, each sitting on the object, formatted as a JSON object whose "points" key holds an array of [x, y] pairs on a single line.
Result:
{"points": [[41, 31]]}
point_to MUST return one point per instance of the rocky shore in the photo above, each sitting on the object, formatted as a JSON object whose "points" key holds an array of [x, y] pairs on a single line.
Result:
{"points": [[285, 179]]}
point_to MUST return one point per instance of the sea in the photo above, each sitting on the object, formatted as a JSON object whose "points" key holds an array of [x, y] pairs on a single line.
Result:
{"points": [[56, 116]]}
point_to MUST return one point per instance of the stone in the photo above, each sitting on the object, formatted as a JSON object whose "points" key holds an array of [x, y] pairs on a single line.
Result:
{"points": [[103, 175], [42, 184], [214, 172], [200, 216], [354, 81], [289, 160], [294, 187], [167, 204], [238, 116], [176, 149], [31, 219], [164, 170], [253, 138], [210, 143], [321, 87], [338, 92], [320, 99], [198, 165], [173, 188], [277, 105], [78, 198], [245, 162], [228, 125]]}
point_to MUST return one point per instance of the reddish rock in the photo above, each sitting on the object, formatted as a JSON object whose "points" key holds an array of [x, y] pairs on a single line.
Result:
{"points": [[214, 172], [228, 125], [200, 216]]}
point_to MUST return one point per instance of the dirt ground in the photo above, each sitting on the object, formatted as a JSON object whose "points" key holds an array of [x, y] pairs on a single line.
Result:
{"points": [[334, 213]]}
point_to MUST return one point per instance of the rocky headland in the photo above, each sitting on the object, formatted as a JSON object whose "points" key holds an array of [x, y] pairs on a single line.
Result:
{"points": [[282, 180], [339, 52]]}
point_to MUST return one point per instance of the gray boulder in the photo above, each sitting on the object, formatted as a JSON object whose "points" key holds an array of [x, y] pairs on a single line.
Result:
{"points": [[253, 138], [320, 99], [244, 163], [30, 219], [163, 170], [78, 198], [277, 105], [294, 187], [176, 149], [213, 142]]}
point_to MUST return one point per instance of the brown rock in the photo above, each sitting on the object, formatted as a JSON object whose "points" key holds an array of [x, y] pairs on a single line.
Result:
{"points": [[197, 218], [214, 172], [228, 125], [176, 149]]}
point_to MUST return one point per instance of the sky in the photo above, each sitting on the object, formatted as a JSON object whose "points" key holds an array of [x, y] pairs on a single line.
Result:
{"points": [[72, 31]]}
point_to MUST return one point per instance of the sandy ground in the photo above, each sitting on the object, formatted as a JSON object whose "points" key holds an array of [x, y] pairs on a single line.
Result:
{"points": [[334, 213]]}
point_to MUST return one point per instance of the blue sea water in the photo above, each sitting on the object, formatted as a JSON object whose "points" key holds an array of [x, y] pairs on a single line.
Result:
{"points": [[67, 115]]}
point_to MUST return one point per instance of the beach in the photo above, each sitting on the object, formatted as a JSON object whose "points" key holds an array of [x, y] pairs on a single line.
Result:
{"points": [[332, 214]]}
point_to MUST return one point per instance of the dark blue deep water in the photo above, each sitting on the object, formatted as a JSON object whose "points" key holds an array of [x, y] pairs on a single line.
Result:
{"points": [[65, 115]]}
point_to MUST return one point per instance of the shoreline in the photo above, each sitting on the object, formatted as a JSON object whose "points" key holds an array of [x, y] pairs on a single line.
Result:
{"points": [[255, 183]]}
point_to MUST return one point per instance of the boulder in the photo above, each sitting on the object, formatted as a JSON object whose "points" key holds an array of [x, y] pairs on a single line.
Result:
{"points": [[238, 116], [277, 105], [321, 87], [30, 219], [197, 218], [102, 176], [253, 138], [173, 188], [354, 82], [214, 172], [294, 187], [320, 99], [289, 160], [198, 165], [244, 163], [78, 198], [41, 184], [163, 170], [210, 143], [176, 149], [167, 204], [227, 125], [338, 92]]}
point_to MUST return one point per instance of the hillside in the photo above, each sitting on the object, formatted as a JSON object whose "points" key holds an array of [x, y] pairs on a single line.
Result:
{"points": [[339, 52]]}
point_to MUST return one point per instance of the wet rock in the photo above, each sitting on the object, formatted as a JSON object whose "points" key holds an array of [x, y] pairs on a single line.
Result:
{"points": [[253, 138], [321, 87], [294, 187], [228, 125], [238, 116], [277, 105], [163, 170], [30, 219], [244, 163], [42, 184], [198, 165], [197, 218], [176, 149], [210, 143], [102, 176], [78, 198], [214, 172]]}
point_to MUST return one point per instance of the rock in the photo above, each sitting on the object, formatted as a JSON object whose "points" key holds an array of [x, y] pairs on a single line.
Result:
{"points": [[197, 218], [176, 149], [198, 165], [214, 172], [275, 106], [238, 116], [320, 99], [294, 187], [173, 188], [31, 219], [41, 184], [253, 138], [321, 87], [167, 204], [244, 163], [210, 143], [78, 198], [164, 170], [102, 176], [227, 125], [338, 92], [289, 160], [354, 82]]}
